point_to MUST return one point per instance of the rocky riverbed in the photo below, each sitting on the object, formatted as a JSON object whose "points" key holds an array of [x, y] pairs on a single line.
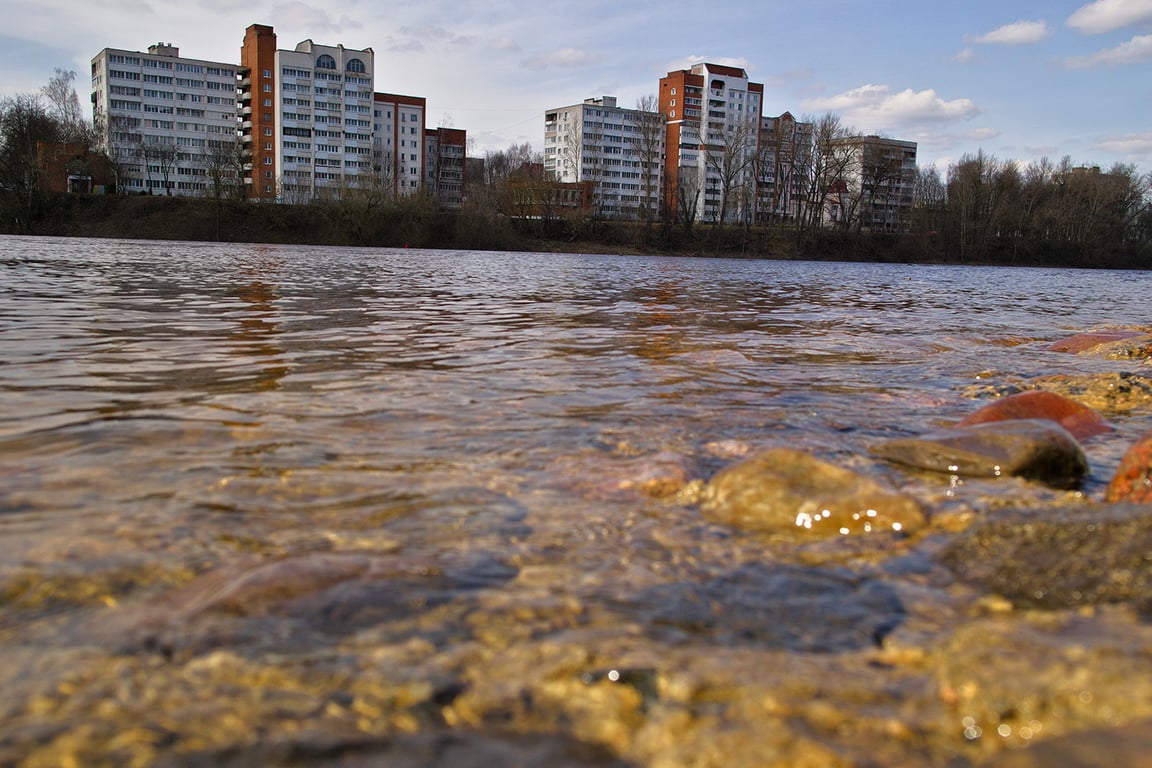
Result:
{"points": [[979, 593]]}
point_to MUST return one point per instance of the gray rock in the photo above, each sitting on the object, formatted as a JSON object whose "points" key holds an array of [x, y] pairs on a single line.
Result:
{"points": [[1102, 556], [1036, 449]]}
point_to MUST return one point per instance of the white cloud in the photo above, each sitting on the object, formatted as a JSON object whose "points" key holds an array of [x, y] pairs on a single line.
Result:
{"points": [[965, 56], [1107, 15], [877, 108], [1016, 33], [301, 15], [1133, 146], [1136, 50], [564, 57]]}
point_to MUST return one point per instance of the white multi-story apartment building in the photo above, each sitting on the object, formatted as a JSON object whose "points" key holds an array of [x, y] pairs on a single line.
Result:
{"points": [[619, 150], [398, 141], [167, 123], [713, 130], [306, 117]]}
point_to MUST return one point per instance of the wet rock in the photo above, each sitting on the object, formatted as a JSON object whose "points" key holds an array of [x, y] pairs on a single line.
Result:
{"points": [[1107, 392], [1092, 341], [1129, 745], [790, 491], [787, 607], [445, 749], [1035, 449], [1133, 478], [604, 475], [315, 596], [1079, 420], [1084, 558]]}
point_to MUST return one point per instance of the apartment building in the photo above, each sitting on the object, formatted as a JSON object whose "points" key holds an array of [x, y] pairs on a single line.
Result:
{"points": [[306, 117], [444, 152], [712, 121], [398, 141], [166, 122], [783, 163], [618, 150], [874, 191]]}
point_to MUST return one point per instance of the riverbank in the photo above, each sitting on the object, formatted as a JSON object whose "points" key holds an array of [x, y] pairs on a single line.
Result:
{"points": [[417, 223]]}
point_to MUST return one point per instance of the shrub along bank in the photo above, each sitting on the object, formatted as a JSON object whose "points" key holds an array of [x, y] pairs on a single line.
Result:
{"points": [[418, 223]]}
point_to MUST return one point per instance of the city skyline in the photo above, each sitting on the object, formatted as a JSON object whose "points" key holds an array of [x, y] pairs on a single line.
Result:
{"points": [[1018, 80]]}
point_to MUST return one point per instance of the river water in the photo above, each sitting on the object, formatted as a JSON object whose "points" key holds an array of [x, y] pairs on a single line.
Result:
{"points": [[462, 427]]}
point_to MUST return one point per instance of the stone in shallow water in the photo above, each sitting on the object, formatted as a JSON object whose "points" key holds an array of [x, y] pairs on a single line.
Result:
{"points": [[606, 476], [787, 607], [1133, 478], [1092, 340], [1079, 420], [1035, 449], [1103, 556], [788, 490], [319, 595], [445, 749], [1128, 746]]}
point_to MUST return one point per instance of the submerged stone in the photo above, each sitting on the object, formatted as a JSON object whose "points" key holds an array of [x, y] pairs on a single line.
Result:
{"points": [[1102, 556], [1035, 449], [788, 490], [1078, 419], [317, 595], [1133, 478], [605, 475], [1127, 745], [787, 607], [1092, 341]]}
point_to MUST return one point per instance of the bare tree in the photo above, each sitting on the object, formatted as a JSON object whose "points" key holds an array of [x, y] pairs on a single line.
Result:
{"points": [[224, 170], [159, 156], [649, 146], [730, 157], [64, 107]]}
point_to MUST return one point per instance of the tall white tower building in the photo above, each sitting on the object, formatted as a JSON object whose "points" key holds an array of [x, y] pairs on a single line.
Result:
{"points": [[167, 122]]}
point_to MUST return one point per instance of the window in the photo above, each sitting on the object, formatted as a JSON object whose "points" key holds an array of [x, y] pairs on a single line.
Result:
{"points": [[267, 73], [267, 102], [267, 131], [268, 146], [355, 65], [267, 88], [267, 161], [325, 62]]}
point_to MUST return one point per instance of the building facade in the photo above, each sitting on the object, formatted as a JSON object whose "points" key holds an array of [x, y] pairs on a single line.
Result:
{"points": [[712, 115], [444, 153], [618, 150], [783, 164], [398, 141], [875, 191], [167, 123], [305, 117]]}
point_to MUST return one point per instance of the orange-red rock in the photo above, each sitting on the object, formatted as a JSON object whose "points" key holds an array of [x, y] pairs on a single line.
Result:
{"points": [[1133, 479], [1084, 341], [1078, 419]]}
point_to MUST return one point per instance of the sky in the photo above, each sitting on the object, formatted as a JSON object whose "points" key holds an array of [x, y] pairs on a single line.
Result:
{"points": [[1017, 79]]}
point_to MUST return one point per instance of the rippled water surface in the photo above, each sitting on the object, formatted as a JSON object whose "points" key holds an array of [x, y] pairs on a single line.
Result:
{"points": [[170, 411]]}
